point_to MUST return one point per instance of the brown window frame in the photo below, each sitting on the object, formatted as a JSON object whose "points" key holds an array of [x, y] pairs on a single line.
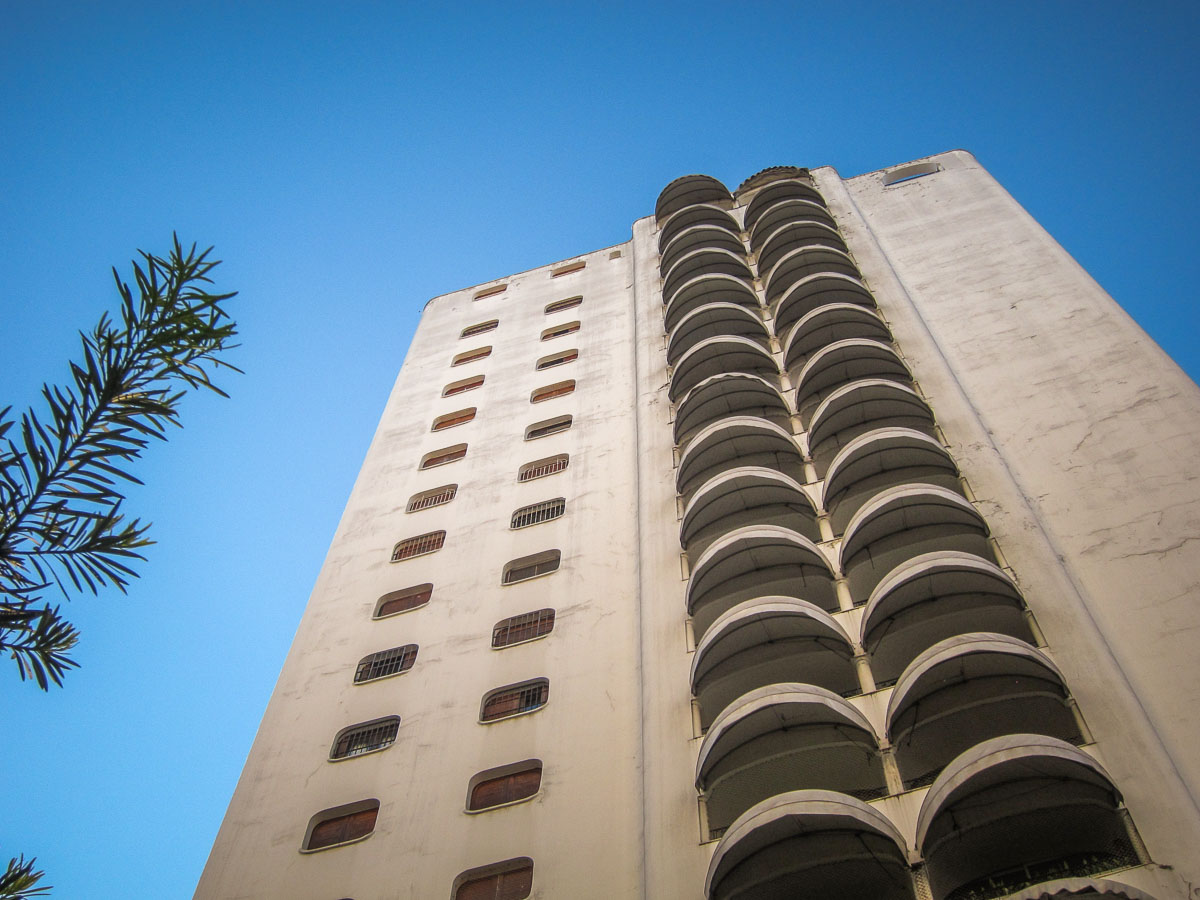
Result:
{"points": [[522, 629], [547, 427], [364, 738], [419, 545], [453, 419], [557, 359], [561, 305], [504, 786], [479, 328], [550, 391], [468, 356], [420, 594], [386, 663], [531, 471], [429, 499], [333, 828], [461, 387], [514, 570], [514, 700], [443, 457], [508, 880], [558, 331]]}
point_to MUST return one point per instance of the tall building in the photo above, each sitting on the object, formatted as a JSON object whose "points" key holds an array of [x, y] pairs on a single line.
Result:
{"points": [[830, 538]]}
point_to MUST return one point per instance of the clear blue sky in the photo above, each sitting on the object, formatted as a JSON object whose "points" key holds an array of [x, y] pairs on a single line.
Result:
{"points": [[351, 161]]}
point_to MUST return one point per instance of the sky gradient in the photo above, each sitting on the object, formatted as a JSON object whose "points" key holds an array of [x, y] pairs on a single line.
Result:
{"points": [[350, 164]]}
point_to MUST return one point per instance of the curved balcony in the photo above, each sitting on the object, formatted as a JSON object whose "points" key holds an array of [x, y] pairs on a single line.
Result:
{"points": [[717, 355], [703, 236], [967, 689], [705, 262], [797, 236], [733, 442], [703, 290], [842, 361], [726, 395], [687, 191], [805, 262], [828, 324], [692, 217], [903, 522], [1080, 889], [880, 459], [777, 192], [711, 321], [1017, 806], [810, 845], [756, 561], [932, 597], [783, 212], [805, 295], [786, 737], [747, 495], [859, 407], [769, 640]]}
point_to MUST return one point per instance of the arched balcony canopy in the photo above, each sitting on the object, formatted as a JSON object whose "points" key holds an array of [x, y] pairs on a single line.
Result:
{"points": [[1021, 799], [733, 442], [689, 190], [812, 291], [864, 405], [1080, 889], [705, 262], [714, 320], [805, 262], [883, 458], [932, 597], [783, 213], [698, 237], [717, 355], [692, 216], [786, 737], [755, 561], [848, 360], [795, 236], [776, 193], [703, 290], [746, 495], [810, 845], [967, 689], [828, 324], [726, 395], [769, 640]]}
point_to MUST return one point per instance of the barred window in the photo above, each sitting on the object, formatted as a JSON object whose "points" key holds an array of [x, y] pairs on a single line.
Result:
{"points": [[481, 328], [560, 330], [558, 359], [507, 784], [435, 497], [419, 545], [490, 292], [567, 269], [515, 700], [341, 824], [366, 737], [538, 512], [550, 391], [443, 456], [525, 627], [540, 468], [471, 355], [509, 880], [403, 600], [531, 566], [560, 305], [547, 427], [460, 387], [385, 663], [458, 417]]}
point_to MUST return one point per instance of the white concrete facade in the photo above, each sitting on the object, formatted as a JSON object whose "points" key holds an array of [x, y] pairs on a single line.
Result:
{"points": [[877, 510]]}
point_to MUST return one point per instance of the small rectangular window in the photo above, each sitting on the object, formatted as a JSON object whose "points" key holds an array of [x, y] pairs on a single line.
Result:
{"points": [[458, 387], [365, 738], [403, 600], [331, 827], [531, 566], [560, 305], [435, 497], [471, 355], [509, 880], [558, 359], [419, 545], [480, 328], [550, 391], [540, 468], [515, 700], [560, 331], [547, 427], [490, 291], [443, 456], [385, 663], [567, 269], [538, 512], [500, 789], [458, 417], [522, 628]]}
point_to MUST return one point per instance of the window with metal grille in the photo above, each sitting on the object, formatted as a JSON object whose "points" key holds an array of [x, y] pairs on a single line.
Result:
{"points": [[560, 330], [471, 356], [567, 269], [549, 426], [508, 784], [459, 387], [481, 328], [366, 737], [515, 700], [540, 468], [416, 546], [443, 456], [509, 880], [435, 497], [341, 824], [525, 627], [538, 512], [458, 417], [531, 566], [558, 359], [550, 391], [490, 292], [560, 305], [403, 600], [385, 663]]}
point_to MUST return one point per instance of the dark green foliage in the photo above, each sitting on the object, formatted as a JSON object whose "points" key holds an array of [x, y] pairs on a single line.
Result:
{"points": [[20, 881]]}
